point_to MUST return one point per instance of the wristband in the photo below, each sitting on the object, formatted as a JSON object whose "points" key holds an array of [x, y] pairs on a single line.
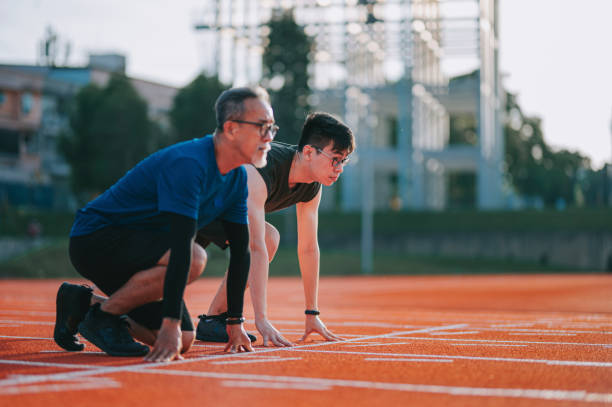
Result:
{"points": [[234, 321], [311, 312]]}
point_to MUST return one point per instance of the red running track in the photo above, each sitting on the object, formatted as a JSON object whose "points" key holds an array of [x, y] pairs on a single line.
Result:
{"points": [[504, 340]]}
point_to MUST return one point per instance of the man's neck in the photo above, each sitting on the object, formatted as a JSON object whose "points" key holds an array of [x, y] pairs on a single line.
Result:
{"points": [[299, 173], [224, 155]]}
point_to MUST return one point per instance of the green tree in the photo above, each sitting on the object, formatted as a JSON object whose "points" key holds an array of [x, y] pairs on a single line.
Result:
{"points": [[285, 62], [193, 114], [463, 129], [597, 186], [533, 167], [110, 133]]}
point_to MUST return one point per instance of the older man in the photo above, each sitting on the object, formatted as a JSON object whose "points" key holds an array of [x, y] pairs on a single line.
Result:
{"points": [[136, 240]]}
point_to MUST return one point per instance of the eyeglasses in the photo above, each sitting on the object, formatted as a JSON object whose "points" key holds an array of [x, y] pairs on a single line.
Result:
{"points": [[335, 161], [264, 128]]}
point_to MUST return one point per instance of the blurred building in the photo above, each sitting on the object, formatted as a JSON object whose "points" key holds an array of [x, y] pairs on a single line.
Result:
{"points": [[34, 104], [383, 67]]}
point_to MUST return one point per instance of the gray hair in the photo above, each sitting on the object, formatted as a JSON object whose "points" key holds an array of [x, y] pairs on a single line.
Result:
{"points": [[230, 104]]}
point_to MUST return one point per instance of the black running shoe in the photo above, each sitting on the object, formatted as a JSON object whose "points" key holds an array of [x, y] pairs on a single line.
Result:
{"points": [[211, 328], [110, 333], [71, 305]]}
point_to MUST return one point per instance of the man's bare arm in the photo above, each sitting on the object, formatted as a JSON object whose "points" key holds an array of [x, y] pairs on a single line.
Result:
{"points": [[309, 260], [260, 263]]}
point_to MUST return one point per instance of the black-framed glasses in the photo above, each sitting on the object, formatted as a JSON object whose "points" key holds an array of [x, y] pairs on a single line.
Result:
{"points": [[335, 161], [264, 128]]}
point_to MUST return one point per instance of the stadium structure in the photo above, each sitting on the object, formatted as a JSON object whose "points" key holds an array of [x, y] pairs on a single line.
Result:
{"points": [[386, 67]]}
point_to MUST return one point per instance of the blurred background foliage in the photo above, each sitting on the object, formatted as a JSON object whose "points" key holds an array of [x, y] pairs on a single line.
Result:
{"points": [[110, 125], [285, 61], [51, 259], [193, 113], [111, 132]]}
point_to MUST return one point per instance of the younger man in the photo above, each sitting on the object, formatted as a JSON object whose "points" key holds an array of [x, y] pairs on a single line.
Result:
{"points": [[293, 176]]}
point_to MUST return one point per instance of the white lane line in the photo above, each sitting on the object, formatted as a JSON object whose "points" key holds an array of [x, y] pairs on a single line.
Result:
{"points": [[410, 360], [235, 362], [143, 367], [272, 385], [365, 343], [80, 352], [24, 337], [488, 344], [518, 325], [484, 358], [19, 312], [539, 334], [418, 338], [544, 331], [44, 364], [87, 383], [358, 324], [296, 332], [381, 336], [377, 344], [545, 394], [455, 333], [21, 322]]}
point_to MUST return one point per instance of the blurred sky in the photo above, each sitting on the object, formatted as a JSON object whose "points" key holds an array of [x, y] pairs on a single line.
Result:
{"points": [[556, 54]]}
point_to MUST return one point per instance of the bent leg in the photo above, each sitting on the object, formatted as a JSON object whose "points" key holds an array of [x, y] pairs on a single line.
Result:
{"points": [[149, 336], [146, 320], [219, 302], [148, 285]]}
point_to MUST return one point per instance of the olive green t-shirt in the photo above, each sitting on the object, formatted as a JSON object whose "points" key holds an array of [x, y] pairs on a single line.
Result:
{"points": [[276, 176]]}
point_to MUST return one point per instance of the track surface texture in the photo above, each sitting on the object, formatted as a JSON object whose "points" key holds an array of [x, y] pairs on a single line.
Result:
{"points": [[503, 340]]}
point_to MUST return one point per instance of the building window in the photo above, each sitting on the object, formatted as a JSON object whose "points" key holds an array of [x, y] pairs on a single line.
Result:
{"points": [[26, 102]]}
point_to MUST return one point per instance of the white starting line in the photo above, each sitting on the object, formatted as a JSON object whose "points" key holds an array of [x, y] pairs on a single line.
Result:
{"points": [[89, 377]]}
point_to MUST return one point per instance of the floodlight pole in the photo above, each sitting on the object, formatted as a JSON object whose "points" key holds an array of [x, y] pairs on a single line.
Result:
{"points": [[367, 200]]}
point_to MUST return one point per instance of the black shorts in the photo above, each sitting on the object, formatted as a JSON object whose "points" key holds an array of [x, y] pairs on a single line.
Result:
{"points": [[214, 232], [109, 257]]}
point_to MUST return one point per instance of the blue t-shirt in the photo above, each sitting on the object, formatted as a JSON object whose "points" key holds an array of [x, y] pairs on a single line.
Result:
{"points": [[183, 178]]}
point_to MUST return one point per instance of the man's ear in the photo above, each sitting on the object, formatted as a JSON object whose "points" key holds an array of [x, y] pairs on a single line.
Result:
{"points": [[230, 129], [308, 151]]}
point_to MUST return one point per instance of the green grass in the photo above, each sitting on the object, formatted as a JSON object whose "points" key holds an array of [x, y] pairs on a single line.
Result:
{"points": [[393, 223], [52, 261], [43, 262], [14, 221]]}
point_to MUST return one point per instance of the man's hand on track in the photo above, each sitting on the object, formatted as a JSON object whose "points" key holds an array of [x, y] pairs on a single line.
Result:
{"points": [[315, 325], [271, 336], [238, 339]]}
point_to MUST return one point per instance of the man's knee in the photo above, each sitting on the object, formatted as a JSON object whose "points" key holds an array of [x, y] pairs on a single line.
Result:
{"points": [[187, 338], [272, 240], [198, 262]]}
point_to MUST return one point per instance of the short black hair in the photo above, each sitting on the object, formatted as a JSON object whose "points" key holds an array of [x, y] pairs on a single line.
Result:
{"points": [[320, 128], [230, 103]]}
